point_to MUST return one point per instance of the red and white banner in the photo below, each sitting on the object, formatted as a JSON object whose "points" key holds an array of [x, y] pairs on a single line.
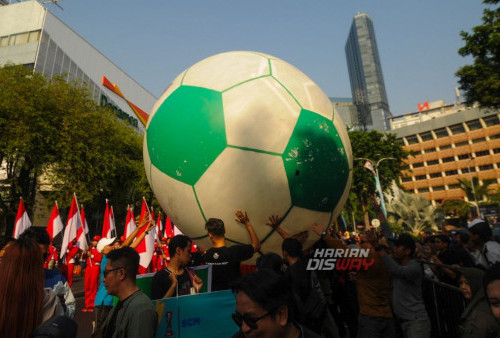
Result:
{"points": [[81, 238], [22, 220], [109, 224], [112, 225], [55, 225], [147, 245], [169, 231], [72, 226], [159, 226], [129, 223]]}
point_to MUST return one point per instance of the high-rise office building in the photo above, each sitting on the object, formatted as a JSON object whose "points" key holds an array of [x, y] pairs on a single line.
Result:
{"points": [[365, 73]]}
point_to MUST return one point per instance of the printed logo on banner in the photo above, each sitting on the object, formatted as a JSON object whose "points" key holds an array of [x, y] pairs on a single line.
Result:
{"points": [[340, 259]]}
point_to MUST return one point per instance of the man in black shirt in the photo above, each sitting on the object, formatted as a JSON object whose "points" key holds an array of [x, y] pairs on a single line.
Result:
{"points": [[176, 280], [226, 261]]}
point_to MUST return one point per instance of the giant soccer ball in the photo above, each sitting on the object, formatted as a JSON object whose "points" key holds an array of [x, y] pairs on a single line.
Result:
{"points": [[246, 130]]}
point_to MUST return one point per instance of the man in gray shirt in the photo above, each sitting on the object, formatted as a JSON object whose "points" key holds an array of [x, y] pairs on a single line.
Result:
{"points": [[134, 315], [407, 275]]}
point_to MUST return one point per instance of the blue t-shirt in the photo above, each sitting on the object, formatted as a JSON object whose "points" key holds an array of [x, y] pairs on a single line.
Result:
{"points": [[102, 297]]}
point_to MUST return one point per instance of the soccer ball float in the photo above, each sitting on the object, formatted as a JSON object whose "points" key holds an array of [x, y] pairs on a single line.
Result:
{"points": [[246, 130]]}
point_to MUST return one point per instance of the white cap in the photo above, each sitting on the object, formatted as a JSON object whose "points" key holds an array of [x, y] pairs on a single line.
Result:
{"points": [[474, 222], [104, 242]]}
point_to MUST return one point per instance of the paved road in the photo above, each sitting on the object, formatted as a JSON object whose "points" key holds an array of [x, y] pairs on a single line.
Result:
{"points": [[84, 319]]}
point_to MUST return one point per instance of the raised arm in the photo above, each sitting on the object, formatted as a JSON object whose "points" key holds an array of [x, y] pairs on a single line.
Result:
{"points": [[242, 217], [274, 222], [331, 241], [131, 237], [139, 239]]}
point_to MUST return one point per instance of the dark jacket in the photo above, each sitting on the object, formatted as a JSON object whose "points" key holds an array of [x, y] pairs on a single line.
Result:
{"points": [[477, 319]]}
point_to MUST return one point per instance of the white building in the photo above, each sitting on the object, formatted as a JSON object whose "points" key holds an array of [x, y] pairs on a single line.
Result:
{"points": [[33, 36]]}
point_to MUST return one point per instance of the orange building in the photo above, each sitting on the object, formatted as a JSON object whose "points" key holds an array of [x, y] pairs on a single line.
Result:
{"points": [[449, 142]]}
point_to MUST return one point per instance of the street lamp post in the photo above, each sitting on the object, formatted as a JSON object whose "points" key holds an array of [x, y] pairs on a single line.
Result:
{"points": [[374, 170], [472, 186]]}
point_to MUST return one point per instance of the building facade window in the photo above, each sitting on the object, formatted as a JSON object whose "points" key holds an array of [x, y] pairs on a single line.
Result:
{"points": [[429, 150], [486, 167], [447, 146], [436, 175], [433, 162], [448, 159], [427, 136], [438, 188], [477, 140], [441, 132], [491, 120], [406, 179], [412, 139], [453, 186], [461, 144], [451, 172], [422, 190], [474, 125], [464, 156], [466, 170], [420, 177], [418, 165], [482, 153], [457, 129]]}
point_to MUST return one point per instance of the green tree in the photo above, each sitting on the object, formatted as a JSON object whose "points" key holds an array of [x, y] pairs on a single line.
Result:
{"points": [[374, 146], [473, 190], [481, 80], [414, 213], [54, 136]]}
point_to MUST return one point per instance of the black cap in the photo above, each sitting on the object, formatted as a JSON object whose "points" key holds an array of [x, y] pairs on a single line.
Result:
{"points": [[405, 240]]}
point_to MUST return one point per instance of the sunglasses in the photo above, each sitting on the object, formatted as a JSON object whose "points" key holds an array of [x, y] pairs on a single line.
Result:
{"points": [[251, 322], [106, 272]]}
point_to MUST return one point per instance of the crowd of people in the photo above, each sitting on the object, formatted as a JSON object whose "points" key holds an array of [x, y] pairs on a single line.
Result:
{"points": [[283, 298]]}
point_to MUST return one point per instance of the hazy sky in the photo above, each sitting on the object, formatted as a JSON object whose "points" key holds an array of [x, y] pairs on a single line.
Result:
{"points": [[153, 41]]}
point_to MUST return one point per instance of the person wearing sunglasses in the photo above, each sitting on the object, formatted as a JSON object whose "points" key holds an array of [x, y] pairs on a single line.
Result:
{"points": [[134, 315], [264, 307]]}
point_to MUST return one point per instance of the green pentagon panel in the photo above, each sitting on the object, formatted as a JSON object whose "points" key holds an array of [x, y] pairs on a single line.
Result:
{"points": [[187, 133], [316, 163]]}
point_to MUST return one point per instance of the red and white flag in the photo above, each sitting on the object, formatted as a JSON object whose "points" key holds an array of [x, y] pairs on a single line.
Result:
{"points": [[169, 231], [130, 222], [72, 226], [55, 225], [81, 238], [159, 226], [112, 225], [22, 220], [109, 224], [147, 245]]}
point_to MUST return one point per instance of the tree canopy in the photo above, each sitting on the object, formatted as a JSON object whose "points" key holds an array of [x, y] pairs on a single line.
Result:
{"points": [[375, 146], [481, 80], [55, 137]]}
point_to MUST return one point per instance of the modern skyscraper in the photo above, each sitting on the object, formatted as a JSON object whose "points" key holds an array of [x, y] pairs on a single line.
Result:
{"points": [[365, 73]]}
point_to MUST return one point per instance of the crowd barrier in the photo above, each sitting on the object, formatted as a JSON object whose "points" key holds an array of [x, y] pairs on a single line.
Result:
{"points": [[444, 304]]}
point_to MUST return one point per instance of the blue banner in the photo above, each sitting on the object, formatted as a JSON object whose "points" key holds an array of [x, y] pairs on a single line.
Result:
{"points": [[202, 315]]}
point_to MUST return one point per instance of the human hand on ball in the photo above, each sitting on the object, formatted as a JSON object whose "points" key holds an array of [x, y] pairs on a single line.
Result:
{"points": [[242, 217], [274, 221], [317, 228]]}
